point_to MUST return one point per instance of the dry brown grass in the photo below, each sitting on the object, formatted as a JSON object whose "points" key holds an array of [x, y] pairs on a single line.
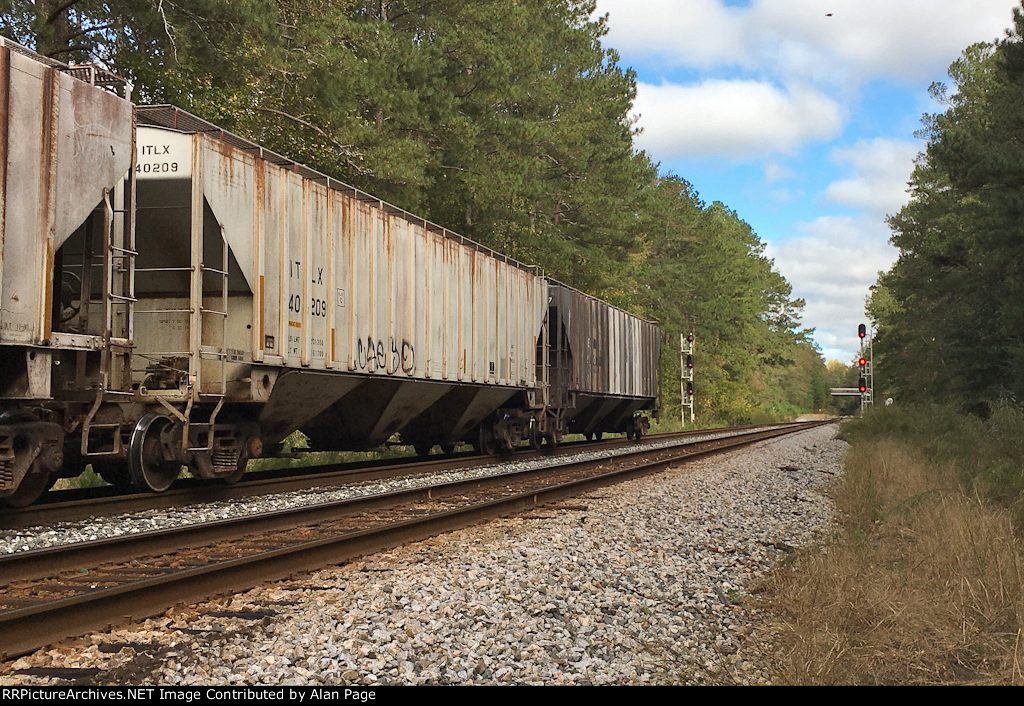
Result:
{"points": [[924, 584]]}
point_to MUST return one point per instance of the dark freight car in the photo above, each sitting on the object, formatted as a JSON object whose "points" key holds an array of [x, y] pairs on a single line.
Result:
{"points": [[604, 363]]}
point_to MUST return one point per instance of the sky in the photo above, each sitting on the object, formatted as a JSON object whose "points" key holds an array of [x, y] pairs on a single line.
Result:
{"points": [[802, 123]]}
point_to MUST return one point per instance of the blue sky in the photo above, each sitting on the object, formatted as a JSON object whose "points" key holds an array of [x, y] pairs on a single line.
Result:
{"points": [[802, 123]]}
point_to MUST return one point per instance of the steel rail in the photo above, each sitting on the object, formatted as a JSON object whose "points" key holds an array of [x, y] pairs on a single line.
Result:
{"points": [[47, 561], [25, 629], [288, 480]]}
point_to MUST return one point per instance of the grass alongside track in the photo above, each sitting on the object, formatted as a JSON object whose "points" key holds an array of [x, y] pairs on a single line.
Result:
{"points": [[924, 581]]}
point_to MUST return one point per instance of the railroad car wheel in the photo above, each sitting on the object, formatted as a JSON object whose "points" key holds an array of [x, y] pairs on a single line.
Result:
{"points": [[448, 448], [598, 435], [635, 431], [589, 436], [423, 448], [32, 487], [149, 469]]}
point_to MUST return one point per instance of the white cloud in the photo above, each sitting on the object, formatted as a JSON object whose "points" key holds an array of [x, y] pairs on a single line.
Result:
{"points": [[908, 40], [774, 172], [881, 170], [775, 75], [831, 263], [677, 31], [732, 118]]}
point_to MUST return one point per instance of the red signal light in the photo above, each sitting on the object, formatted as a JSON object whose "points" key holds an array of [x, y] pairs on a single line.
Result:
{"points": [[689, 339], [863, 386], [689, 362], [689, 390], [862, 362], [862, 331]]}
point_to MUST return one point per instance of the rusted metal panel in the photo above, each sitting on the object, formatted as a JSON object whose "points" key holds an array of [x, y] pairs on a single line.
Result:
{"points": [[5, 109], [270, 338], [317, 274], [58, 135], [229, 185], [614, 353], [359, 285], [295, 248], [452, 311], [438, 355], [94, 148], [418, 272]]}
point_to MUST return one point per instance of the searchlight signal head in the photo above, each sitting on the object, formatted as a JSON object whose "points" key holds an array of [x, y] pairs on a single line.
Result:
{"points": [[862, 331], [862, 362], [689, 362], [689, 389], [862, 386]]}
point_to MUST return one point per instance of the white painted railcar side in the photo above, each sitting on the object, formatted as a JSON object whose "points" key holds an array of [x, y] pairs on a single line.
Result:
{"points": [[63, 143], [320, 277]]}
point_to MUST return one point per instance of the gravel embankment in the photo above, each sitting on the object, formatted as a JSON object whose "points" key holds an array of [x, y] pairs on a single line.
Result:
{"points": [[27, 538], [643, 582]]}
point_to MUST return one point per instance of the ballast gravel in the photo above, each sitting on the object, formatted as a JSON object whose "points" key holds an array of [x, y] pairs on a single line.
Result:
{"points": [[28, 538], [639, 583]]}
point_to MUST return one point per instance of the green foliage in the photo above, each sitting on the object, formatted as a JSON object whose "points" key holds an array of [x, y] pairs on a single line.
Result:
{"points": [[988, 454], [705, 268], [949, 312], [87, 479], [506, 121]]}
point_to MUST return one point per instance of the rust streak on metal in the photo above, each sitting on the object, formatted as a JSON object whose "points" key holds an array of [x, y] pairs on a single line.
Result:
{"points": [[48, 289], [5, 113], [262, 311], [47, 204]]}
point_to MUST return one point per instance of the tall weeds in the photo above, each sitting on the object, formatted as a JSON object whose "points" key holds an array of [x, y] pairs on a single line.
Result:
{"points": [[923, 584]]}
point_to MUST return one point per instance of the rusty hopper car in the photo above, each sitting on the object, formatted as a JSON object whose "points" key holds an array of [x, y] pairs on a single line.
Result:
{"points": [[272, 298], [66, 140], [604, 368]]}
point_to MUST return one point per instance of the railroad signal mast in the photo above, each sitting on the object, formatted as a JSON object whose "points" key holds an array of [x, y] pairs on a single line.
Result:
{"points": [[686, 391], [866, 367], [866, 372]]}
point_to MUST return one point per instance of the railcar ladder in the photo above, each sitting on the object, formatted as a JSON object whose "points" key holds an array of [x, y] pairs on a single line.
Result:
{"points": [[119, 299], [118, 293], [211, 352]]}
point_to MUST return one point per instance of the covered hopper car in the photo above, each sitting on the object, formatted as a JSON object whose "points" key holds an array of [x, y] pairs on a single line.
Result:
{"points": [[186, 298]]}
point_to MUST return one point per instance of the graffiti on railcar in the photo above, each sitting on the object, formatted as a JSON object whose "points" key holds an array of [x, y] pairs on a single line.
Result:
{"points": [[380, 356]]}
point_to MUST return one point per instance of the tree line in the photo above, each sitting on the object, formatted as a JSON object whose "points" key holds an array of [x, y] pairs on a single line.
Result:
{"points": [[950, 312], [508, 122]]}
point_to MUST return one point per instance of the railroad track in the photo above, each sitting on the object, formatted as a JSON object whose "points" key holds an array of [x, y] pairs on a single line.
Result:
{"points": [[54, 593], [70, 505]]}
